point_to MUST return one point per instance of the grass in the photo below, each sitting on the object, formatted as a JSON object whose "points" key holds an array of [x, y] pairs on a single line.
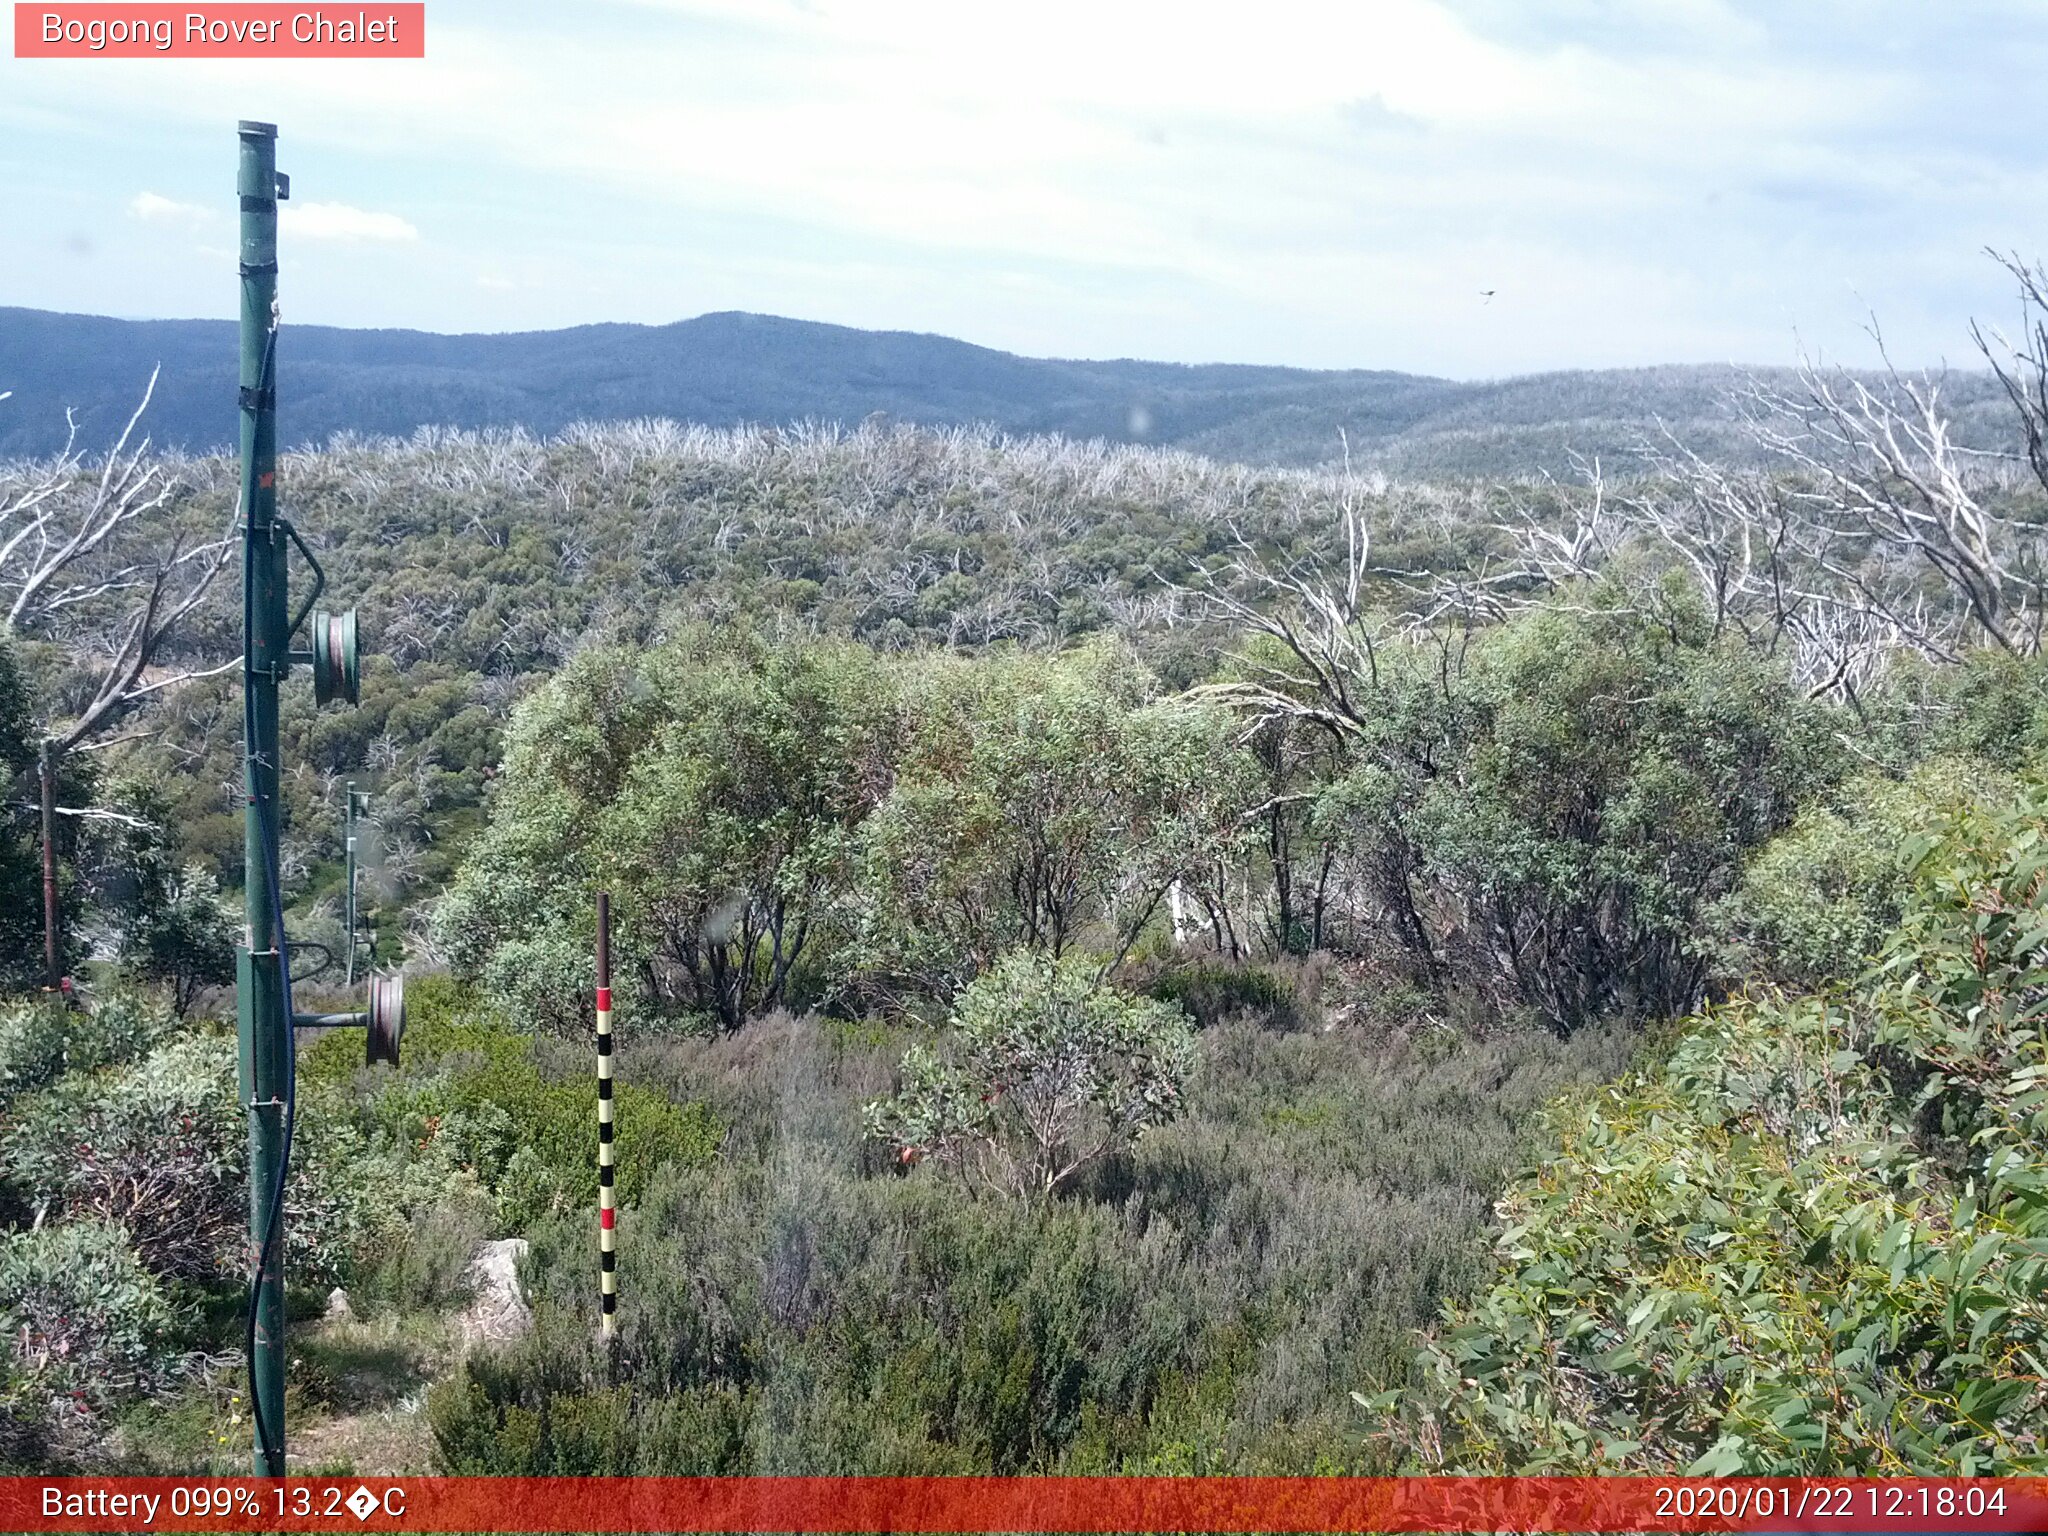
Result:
{"points": [[1206, 1302], [354, 1401]]}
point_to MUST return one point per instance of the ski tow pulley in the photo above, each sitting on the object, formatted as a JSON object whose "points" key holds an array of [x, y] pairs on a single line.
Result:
{"points": [[386, 1019], [337, 667]]}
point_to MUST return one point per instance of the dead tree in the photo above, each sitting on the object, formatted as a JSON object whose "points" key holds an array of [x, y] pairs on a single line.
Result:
{"points": [[2022, 366], [1872, 532], [77, 568], [1887, 496], [1320, 665]]}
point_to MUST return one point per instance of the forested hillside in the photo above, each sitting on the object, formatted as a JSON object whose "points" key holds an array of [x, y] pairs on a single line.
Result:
{"points": [[1098, 932], [739, 369]]}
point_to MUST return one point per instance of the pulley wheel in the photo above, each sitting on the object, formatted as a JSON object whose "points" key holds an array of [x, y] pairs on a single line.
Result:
{"points": [[387, 1019], [337, 665]]}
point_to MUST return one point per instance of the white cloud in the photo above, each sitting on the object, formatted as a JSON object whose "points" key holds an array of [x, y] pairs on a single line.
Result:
{"points": [[1315, 181], [156, 209], [338, 221]]}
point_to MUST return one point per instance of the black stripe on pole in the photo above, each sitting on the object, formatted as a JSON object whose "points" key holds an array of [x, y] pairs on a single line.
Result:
{"points": [[611, 1302], [607, 1259]]}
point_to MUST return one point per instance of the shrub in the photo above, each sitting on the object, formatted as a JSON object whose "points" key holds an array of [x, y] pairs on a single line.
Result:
{"points": [[472, 1099], [1817, 902], [427, 1265], [713, 784], [1041, 803], [1199, 1302], [184, 937], [41, 1041], [160, 1146], [346, 1201], [1615, 773], [1046, 1072], [1813, 1241], [1546, 816], [81, 1313], [1210, 993]]}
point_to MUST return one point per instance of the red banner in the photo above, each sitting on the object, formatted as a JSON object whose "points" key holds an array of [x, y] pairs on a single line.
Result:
{"points": [[220, 31], [1024, 1504]]}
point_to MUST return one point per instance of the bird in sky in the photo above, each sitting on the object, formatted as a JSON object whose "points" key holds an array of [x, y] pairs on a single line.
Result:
{"points": [[1486, 295]]}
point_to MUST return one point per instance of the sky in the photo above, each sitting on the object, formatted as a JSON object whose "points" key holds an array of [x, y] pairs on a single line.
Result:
{"points": [[1323, 183]]}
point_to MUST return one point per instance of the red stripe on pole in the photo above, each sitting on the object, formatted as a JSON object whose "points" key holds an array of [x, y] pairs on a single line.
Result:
{"points": [[604, 999], [605, 1218], [1027, 1504]]}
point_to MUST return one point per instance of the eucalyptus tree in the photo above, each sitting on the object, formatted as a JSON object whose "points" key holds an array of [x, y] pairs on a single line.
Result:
{"points": [[714, 784], [1046, 803]]}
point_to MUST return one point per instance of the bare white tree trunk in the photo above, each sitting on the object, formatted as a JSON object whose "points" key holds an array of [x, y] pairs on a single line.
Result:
{"points": [[1176, 904]]}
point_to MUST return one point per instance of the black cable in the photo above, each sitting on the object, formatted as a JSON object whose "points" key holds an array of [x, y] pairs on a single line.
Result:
{"points": [[269, 1436], [326, 960]]}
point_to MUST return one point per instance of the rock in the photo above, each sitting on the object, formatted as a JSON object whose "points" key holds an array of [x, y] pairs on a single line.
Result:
{"points": [[497, 1310], [338, 1309]]}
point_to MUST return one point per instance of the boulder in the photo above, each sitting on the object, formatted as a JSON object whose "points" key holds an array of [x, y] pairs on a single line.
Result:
{"points": [[497, 1309]]}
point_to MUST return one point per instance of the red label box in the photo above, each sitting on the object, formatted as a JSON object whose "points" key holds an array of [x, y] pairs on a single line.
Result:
{"points": [[853, 1505], [220, 31]]}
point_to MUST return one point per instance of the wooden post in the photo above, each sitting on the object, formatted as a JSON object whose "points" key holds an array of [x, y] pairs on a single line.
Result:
{"points": [[53, 959]]}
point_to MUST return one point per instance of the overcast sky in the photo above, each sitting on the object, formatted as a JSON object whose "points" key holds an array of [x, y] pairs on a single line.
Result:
{"points": [[1325, 184]]}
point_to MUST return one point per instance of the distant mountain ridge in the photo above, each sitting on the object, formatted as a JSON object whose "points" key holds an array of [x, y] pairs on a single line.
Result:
{"points": [[733, 367]]}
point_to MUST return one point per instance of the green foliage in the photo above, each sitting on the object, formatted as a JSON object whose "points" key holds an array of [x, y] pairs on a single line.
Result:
{"points": [[20, 846], [40, 1041], [1989, 705], [1813, 1241], [1548, 818], [427, 1266], [1045, 1071], [1817, 902], [1209, 993], [472, 1100], [159, 1146], [155, 1148], [782, 817], [164, 923], [713, 785], [82, 1315], [1040, 802], [734, 826], [186, 940], [1199, 1302], [175, 929]]}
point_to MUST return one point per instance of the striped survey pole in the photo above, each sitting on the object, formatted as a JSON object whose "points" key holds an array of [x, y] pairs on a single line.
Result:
{"points": [[607, 1205]]}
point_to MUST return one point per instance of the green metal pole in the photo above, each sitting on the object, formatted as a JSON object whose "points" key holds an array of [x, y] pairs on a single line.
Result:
{"points": [[265, 661], [350, 975]]}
